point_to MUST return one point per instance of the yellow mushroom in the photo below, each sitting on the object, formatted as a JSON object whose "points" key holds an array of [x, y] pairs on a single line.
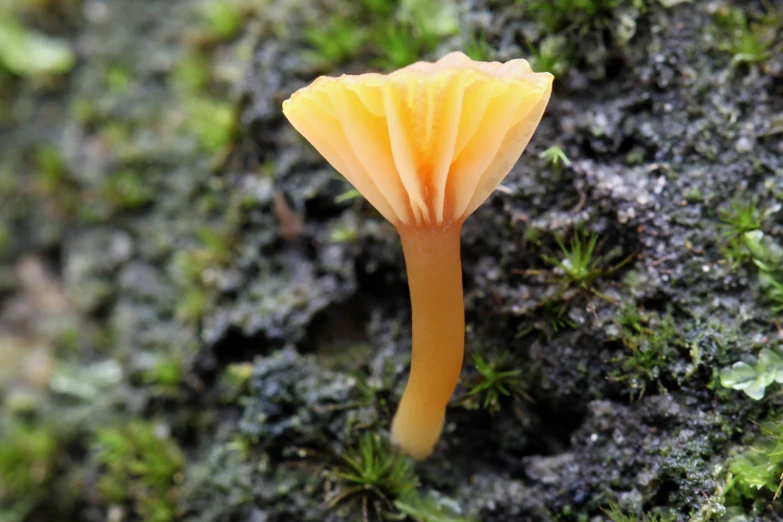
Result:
{"points": [[426, 145]]}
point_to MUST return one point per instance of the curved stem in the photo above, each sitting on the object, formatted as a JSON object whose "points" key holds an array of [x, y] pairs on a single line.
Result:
{"points": [[432, 259]]}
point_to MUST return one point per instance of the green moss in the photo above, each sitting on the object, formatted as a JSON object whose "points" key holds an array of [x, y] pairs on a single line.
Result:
{"points": [[651, 344], [141, 464], [758, 471], [744, 216], [216, 250], [219, 245], [343, 234], [617, 514], [192, 305], [234, 380], [497, 378], [118, 79], [51, 169], [580, 265], [580, 16], [380, 9], [478, 48], [749, 38], [192, 72], [550, 55], [27, 453], [333, 43], [555, 157], [371, 471], [578, 32], [767, 255], [213, 123], [5, 237], [548, 317], [420, 25], [166, 374], [394, 34], [127, 190], [222, 19], [348, 195], [399, 45]]}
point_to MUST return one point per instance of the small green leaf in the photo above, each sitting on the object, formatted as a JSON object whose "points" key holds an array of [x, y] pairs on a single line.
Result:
{"points": [[28, 53], [753, 474], [770, 365], [776, 455], [738, 376], [753, 380]]}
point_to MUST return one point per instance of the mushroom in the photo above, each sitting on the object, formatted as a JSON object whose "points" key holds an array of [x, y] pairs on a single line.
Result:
{"points": [[426, 145]]}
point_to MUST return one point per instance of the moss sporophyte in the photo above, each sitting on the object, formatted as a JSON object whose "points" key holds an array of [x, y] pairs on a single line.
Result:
{"points": [[426, 145]]}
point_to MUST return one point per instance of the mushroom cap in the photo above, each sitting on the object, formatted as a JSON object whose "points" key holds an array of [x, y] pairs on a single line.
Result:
{"points": [[428, 143]]}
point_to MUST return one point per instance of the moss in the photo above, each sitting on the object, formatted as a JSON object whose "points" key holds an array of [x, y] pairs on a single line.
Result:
{"points": [[555, 156], [222, 19], [212, 122], [497, 378], [551, 55], [757, 472], [563, 22], [140, 464], [165, 375], [748, 37], [767, 255], [580, 265], [27, 453], [478, 48], [371, 474], [118, 79], [744, 216], [215, 251], [192, 73], [616, 514], [5, 238], [394, 34], [333, 43], [651, 342], [343, 234], [127, 190]]}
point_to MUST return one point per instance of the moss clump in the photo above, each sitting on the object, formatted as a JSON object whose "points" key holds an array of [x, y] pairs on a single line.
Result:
{"points": [[741, 218], [127, 190], [650, 341], [372, 473], [395, 34], [579, 31], [750, 38], [580, 265], [757, 472], [212, 122], [27, 453], [497, 378], [141, 465], [616, 514]]}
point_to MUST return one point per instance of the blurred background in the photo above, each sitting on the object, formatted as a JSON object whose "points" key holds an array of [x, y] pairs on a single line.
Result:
{"points": [[201, 320]]}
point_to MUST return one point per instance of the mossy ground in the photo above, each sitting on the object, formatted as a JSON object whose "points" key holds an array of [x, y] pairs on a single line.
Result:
{"points": [[198, 322]]}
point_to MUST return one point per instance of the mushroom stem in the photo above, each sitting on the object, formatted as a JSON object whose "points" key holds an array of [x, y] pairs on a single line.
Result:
{"points": [[432, 259]]}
